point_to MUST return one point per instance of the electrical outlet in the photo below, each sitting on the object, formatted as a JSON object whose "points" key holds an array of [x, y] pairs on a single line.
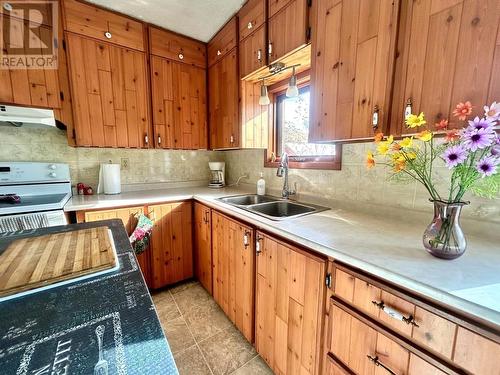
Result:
{"points": [[125, 164]]}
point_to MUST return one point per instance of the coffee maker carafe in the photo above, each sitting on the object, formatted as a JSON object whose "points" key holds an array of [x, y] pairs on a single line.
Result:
{"points": [[217, 174]]}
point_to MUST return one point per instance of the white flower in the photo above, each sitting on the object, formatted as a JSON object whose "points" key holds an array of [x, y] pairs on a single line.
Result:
{"points": [[493, 111]]}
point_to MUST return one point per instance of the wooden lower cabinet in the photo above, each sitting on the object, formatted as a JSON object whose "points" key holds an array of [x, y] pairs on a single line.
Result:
{"points": [[171, 243], [203, 245], [233, 271], [289, 306], [128, 217]]}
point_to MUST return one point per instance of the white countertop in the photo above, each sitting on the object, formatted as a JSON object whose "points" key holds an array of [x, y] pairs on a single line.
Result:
{"points": [[386, 246]]}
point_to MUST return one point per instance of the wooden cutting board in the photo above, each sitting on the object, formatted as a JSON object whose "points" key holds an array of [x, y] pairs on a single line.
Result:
{"points": [[33, 262]]}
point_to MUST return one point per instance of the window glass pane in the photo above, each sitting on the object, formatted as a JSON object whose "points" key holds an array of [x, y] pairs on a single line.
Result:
{"points": [[294, 126]]}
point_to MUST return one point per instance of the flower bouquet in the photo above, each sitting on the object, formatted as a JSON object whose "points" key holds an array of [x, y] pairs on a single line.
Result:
{"points": [[472, 154]]}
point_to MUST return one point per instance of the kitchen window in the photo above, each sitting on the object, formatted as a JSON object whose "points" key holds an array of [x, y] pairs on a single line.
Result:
{"points": [[291, 132]]}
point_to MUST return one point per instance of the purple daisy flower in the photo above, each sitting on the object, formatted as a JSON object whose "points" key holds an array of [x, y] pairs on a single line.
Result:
{"points": [[454, 156], [481, 123], [487, 166], [477, 138]]}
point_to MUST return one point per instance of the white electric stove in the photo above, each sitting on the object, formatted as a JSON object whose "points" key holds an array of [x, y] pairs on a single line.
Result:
{"points": [[32, 195]]}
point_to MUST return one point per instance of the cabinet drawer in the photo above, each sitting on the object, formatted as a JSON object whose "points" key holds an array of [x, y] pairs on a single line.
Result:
{"points": [[176, 47], [251, 16], [97, 23], [222, 43], [424, 327], [476, 353]]}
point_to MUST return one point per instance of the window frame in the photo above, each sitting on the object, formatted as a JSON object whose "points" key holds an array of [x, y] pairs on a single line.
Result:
{"points": [[271, 156]]}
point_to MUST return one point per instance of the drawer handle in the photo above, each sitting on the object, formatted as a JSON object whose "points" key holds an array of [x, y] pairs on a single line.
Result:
{"points": [[108, 35], [377, 363], [258, 250], [159, 140], [146, 139], [393, 313], [205, 217], [375, 117], [246, 239], [270, 49], [259, 55]]}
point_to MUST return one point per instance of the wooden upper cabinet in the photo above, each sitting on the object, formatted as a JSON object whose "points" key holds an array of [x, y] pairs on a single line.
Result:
{"points": [[287, 29], [109, 94], [233, 271], [253, 52], [223, 42], [289, 307], [223, 102], [171, 243], [88, 20], [449, 53], [353, 52], [179, 104], [251, 16], [27, 87], [274, 6], [177, 47]]}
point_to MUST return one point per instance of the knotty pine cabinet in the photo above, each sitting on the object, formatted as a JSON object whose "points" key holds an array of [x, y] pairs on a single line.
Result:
{"points": [[449, 52], [202, 246], [223, 102], [288, 26], [353, 50], [252, 37], [289, 306], [171, 243], [128, 217], [233, 260]]}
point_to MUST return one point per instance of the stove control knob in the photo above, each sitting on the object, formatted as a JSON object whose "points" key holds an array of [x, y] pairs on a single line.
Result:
{"points": [[52, 166], [52, 174]]}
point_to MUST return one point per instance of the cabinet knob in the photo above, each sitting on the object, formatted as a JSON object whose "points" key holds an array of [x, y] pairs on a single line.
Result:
{"points": [[408, 108], [231, 139], [219, 52], [108, 35], [146, 140], [375, 117], [7, 7], [181, 56], [259, 55], [270, 49], [159, 140], [250, 25]]}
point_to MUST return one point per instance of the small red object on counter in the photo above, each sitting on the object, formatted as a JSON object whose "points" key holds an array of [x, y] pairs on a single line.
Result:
{"points": [[80, 187], [88, 190]]}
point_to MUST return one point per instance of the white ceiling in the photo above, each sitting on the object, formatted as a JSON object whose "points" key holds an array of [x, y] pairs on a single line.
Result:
{"points": [[199, 19]]}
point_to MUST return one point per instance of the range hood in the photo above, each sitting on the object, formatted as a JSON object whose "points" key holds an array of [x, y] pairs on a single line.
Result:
{"points": [[11, 115]]}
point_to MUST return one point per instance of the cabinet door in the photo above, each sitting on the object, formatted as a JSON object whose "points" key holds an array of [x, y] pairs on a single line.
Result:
{"points": [[223, 42], [128, 217], [179, 104], [289, 307], [27, 87], [223, 102], [253, 52], [172, 245], [251, 16], [233, 271], [109, 94], [288, 30], [450, 53], [353, 49], [203, 245]]}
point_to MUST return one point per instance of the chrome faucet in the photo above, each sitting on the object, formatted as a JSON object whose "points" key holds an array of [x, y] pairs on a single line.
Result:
{"points": [[283, 169]]}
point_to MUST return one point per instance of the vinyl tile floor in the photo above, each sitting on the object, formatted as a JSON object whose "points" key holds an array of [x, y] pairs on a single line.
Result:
{"points": [[201, 337]]}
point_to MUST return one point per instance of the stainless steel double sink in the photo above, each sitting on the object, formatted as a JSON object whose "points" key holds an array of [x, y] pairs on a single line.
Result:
{"points": [[271, 207]]}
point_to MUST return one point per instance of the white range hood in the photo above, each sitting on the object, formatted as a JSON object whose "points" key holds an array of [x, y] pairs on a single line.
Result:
{"points": [[18, 116]]}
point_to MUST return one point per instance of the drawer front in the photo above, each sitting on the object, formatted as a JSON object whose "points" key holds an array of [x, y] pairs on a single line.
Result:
{"points": [[97, 23], [476, 353], [178, 48], [422, 326], [251, 16], [222, 43]]}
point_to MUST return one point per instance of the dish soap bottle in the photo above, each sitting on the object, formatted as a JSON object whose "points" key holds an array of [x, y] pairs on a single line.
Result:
{"points": [[261, 185]]}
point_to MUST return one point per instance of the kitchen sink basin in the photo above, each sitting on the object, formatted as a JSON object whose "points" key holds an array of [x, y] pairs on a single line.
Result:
{"points": [[247, 200], [271, 207]]}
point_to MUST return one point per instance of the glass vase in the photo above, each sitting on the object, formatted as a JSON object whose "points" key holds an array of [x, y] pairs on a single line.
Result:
{"points": [[444, 237]]}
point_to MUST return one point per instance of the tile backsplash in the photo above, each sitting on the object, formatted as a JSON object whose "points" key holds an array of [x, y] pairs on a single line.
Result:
{"points": [[145, 166], [354, 183], [351, 184]]}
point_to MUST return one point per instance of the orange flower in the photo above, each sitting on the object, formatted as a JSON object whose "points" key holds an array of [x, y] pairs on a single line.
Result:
{"points": [[451, 136], [441, 125], [462, 110], [395, 146], [379, 136], [370, 160], [425, 135], [399, 166]]}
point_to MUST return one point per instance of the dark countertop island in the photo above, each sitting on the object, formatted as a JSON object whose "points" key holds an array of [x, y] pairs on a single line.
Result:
{"points": [[55, 331]]}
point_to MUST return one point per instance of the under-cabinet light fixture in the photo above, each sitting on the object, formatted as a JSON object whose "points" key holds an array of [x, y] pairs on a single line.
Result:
{"points": [[264, 97]]}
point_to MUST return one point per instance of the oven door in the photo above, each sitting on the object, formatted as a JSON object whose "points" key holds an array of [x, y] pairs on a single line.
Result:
{"points": [[33, 220]]}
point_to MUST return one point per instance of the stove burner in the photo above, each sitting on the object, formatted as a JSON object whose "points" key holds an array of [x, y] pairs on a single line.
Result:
{"points": [[10, 198]]}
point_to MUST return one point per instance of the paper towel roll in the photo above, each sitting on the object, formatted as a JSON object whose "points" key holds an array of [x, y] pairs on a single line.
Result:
{"points": [[109, 179]]}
